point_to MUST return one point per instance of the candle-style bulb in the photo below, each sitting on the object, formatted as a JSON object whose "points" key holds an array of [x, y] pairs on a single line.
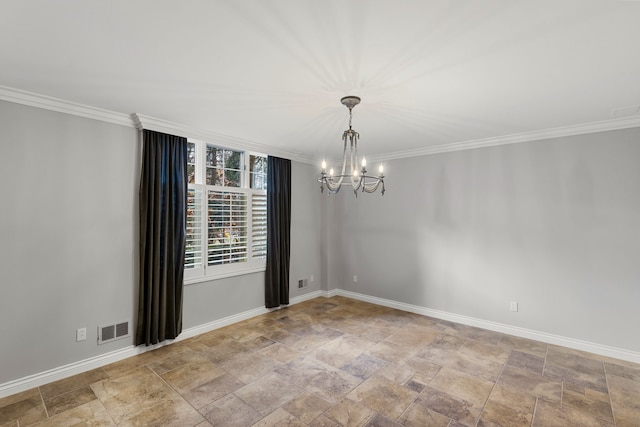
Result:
{"points": [[380, 169], [331, 171], [355, 172], [324, 165], [364, 162]]}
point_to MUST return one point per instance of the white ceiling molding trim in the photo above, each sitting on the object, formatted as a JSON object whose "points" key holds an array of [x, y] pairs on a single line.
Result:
{"points": [[151, 123], [23, 97], [559, 132]]}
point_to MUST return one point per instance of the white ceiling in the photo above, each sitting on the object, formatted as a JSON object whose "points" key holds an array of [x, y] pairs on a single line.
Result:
{"points": [[273, 71]]}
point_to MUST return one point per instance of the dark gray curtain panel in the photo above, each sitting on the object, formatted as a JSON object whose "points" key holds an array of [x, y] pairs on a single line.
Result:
{"points": [[163, 198], [278, 232]]}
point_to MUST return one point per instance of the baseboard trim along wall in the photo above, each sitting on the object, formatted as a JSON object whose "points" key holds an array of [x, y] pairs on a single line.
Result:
{"points": [[36, 380], [603, 350]]}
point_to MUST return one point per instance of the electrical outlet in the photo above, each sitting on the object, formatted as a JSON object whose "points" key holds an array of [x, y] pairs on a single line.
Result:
{"points": [[311, 278], [513, 306], [355, 278], [81, 334]]}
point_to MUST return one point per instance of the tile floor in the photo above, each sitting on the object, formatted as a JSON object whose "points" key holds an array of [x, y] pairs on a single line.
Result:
{"points": [[341, 362]]}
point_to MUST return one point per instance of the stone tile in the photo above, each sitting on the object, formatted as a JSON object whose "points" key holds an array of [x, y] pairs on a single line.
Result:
{"points": [[508, 407], [212, 390], [249, 367], [550, 414], [510, 342], [392, 352], [364, 366], [307, 407], [280, 353], [129, 395], [268, 393], [463, 411], [198, 370], [575, 368], [171, 412], [381, 421], [474, 364], [301, 371], [230, 411], [26, 407], [526, 361], [623, 370], [90, 414], [342, 350], [332, 385], [589, 401], [410, 336], [428, 369], [348, 413], [279, 418], [625, 399], [420, 415], [467, 387], [531, 383], [485, 351], [384, 396], [225, 351], [399, 374], [69, 400], [323, 421], [75, 382], [177, 360]]}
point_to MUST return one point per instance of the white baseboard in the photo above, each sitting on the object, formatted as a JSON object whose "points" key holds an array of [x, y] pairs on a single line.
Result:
{"points": [[41, 378], [603, 350], [36, 380]]}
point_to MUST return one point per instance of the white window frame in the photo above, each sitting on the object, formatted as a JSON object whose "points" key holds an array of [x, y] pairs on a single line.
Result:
{"points": [[253, 263]]}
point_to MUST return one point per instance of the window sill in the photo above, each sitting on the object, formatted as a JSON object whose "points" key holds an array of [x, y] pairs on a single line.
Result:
{"points": [[212, 277]]}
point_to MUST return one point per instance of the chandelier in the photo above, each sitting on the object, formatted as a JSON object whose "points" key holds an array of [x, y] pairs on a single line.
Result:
{"points": [[357, 177]]}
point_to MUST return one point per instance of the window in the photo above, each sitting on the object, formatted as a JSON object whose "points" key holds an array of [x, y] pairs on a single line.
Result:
{"points": [[226, 212]]}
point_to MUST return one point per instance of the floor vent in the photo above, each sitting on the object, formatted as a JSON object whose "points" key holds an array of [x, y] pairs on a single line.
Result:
{"points": [[113, 332]]}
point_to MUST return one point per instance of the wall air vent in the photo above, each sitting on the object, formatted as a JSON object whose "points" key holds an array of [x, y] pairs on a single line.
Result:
{"points": [[113, 332]]}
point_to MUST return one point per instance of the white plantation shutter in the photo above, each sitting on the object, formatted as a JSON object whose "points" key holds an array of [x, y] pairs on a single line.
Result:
{"points": [[226, 227], [258, 225], [193, 250]]}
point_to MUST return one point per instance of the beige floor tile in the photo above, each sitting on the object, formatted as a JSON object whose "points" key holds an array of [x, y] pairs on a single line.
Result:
{"points": [[392, 352], [420, 415], [381, 421], [230, 411], [268, 393], [348, 413], [210, 391], [531, 383], [332, 385], [170, 412], [249, 367], [129, 395], [384, 396], [75, 382], [90, 414], [192, 373], [589, 401], [550, 414], [26, 407], [342, 350], [399, 374], [453, 407], [279, 418], [69, 400], [364, 366], [467, 387], [508, 407], [307, 407]]}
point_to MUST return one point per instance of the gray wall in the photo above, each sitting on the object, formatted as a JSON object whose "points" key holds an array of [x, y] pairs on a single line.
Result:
{"points": [[551, 224], [68, 239], [68, 187]]}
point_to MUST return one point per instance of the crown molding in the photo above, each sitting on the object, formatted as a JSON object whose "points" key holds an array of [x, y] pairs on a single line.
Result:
{"points": [[18, 96], [558, 132], [142, 121]]}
